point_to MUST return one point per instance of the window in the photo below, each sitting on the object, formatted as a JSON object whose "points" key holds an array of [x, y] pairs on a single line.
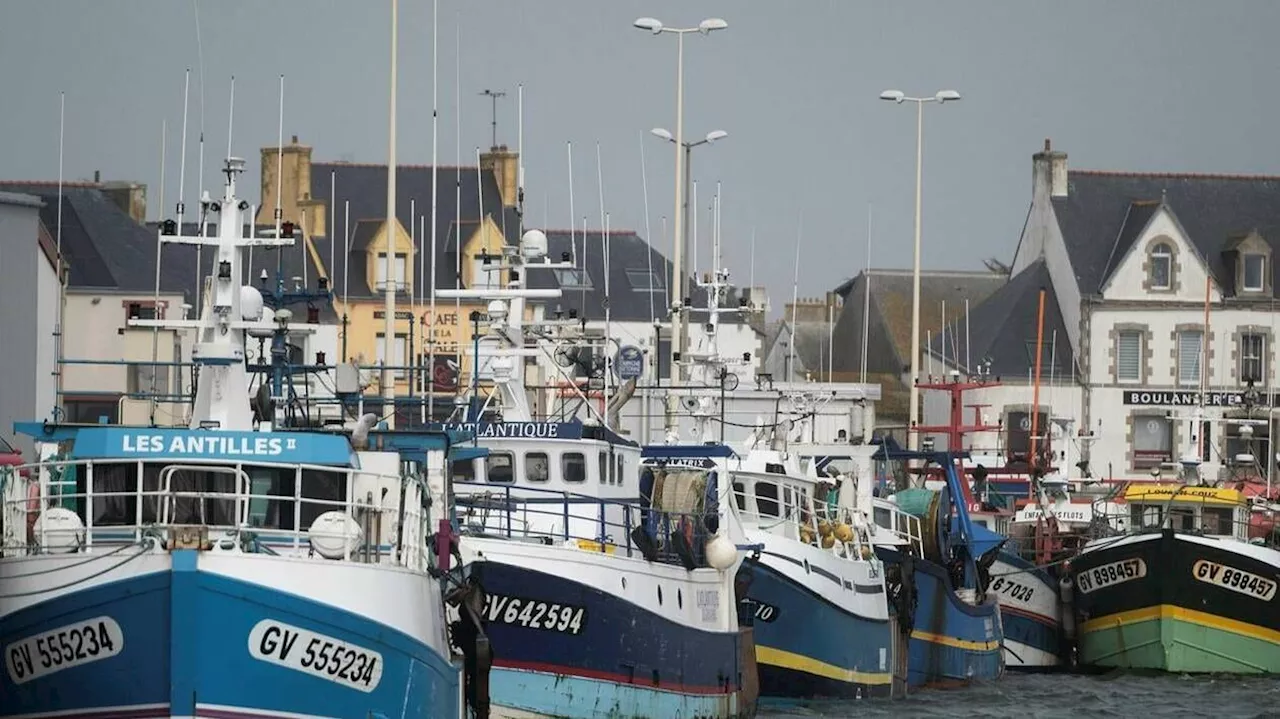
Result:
{"points": [[573, 279], [1236, 445], [1161, 267], [141, 377], [574, 467], [402, 260], [739, 496], [1252, 350], [139, 311], [645, 281], [1189, 352], [485, 271], [537, 468], [94, 410], [499, 467], [1152, 440], [463, 470], [1129, 356], [399, 351], [1018, 428], [767, 499], [603, 466], [1146, 515], [618, 467], [1255, 272], [1217, 520]]}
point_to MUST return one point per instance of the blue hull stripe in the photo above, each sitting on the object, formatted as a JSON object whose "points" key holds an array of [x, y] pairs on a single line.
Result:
{"points": [[562, 695], [186, 636], [617, 643], [1032, 630], [811, 648]]}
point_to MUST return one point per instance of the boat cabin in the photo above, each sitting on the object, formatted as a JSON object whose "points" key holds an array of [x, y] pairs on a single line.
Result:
{"points": [[1185, 508]]}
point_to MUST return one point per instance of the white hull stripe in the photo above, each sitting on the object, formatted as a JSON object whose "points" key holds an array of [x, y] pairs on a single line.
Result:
{"points": [[161, 711]]}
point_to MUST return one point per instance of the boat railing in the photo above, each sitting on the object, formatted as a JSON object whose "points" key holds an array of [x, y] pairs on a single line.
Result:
{"points": [[587, 522], [903, 526], [829, 527], [62, 507], [1187, 513]]}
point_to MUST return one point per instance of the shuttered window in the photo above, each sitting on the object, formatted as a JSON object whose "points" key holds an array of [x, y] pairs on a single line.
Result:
{"points": [[1251, 353], [1189, 351], [1129, 356]]}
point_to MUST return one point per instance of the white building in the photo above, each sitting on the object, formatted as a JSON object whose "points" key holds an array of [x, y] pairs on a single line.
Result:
{"points": [[1126, 261], [28, 314]]}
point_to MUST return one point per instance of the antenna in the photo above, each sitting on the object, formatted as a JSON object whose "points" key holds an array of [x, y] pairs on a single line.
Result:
{"points": [[386, 380], [155, 302], [346, 269], [333, 220], [866, 299], [520, 159], [795, 290], [279, 213], [435, 195], [62, 274], [648, 233], [493, 97], [573, 218]]}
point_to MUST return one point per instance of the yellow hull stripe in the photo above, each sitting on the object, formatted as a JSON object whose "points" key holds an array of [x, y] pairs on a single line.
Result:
{"points": [[986, 646], [801, 663], [1168, 611]]}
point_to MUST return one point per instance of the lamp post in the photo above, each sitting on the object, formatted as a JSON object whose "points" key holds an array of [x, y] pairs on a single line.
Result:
{"points": [[913, 413], [682, 280], [678, 337]]}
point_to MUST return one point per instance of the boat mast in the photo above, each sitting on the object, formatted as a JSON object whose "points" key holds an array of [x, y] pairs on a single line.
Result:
{"points": [[391, 285]]}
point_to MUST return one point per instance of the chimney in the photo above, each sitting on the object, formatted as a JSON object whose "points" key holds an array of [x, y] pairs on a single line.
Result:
{"points": [[293, 165], [1049, 171], [506, 168], [128, 196]]}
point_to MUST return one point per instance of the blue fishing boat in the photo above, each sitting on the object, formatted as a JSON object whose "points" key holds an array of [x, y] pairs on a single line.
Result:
{"points": [[936, 559], [231, 568]]}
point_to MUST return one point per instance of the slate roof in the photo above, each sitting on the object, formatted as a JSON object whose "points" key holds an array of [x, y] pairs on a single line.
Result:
{"points": [[630, 257], [1002, 331], [1102, 214], [283, 262], [105, 248], [364, 186], [889, 329]]}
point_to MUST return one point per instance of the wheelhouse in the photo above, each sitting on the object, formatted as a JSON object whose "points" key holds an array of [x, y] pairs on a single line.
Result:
{"points": [[1206, 510]]}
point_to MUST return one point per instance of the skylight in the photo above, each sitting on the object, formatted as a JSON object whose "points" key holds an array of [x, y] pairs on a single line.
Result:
{"points": [[645, 281]]}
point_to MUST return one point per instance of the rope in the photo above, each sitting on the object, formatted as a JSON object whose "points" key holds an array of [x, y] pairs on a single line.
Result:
{"points": [[81, 580], [92, 558]]}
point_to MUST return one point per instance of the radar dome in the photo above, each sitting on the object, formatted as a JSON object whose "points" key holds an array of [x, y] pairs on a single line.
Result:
{"points": [[533, 245], [250, 303]]}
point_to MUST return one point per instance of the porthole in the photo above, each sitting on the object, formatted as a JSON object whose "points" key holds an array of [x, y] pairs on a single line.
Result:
{"points": [[659, 595], [679, 599]]}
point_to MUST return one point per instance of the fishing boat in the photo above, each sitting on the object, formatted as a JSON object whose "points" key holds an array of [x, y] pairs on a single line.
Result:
{"points": [[609, 569], [937, 562], [1185, 588], [234, 567]]}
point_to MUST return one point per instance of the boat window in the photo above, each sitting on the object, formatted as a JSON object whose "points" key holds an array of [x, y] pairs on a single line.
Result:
{"points": [[767, 499], [537, 467], [1146, 515], [1182, 518], [463, 470], [327, 491], [1217, 520], [621, 466], [739, 496], [115, 486], [264, 484], [602, 464], [574, 467], [499, 467], [883, 517]]}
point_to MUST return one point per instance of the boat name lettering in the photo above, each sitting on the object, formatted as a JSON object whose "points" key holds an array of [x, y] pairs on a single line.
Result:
{"points": [[1015, 590], [315, 654], [205, 443], [1111, 574], [709, 601], [1080, 513], [691, 462], [1237, 580], [763, 612], [518, 430], [67, 646], [534, 614]]}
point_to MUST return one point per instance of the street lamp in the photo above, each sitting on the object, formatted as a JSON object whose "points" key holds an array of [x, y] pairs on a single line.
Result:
{"points": [[897, 96], [678, 336], [682, 279]]}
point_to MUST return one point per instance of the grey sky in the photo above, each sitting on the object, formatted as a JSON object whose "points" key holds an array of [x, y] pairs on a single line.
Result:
{"points": [[1169, 86]]}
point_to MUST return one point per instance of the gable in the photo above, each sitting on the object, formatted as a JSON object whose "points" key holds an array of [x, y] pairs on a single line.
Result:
{"points": [[1160, 263]]}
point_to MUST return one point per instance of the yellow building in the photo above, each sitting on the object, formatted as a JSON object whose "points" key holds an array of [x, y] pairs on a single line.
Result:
{"points": [[341, 208]]}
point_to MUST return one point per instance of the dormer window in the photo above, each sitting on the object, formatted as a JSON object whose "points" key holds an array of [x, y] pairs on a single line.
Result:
{"points": [[401, 261], [1161, 267], [1254, 271]]}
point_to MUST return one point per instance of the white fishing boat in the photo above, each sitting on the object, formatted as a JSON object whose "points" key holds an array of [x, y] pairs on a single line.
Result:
{"points": [[232, 568], [609, 592]]}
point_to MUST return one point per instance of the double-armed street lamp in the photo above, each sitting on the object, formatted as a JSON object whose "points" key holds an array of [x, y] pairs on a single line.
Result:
{"points": [[941, 97]]}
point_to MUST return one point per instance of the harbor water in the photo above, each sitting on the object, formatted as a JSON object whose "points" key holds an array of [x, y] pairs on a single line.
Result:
{"points": [[1050, 696]]}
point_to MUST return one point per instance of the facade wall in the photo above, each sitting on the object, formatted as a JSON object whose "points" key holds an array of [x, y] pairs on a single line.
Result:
{"points": [[24, 336]]}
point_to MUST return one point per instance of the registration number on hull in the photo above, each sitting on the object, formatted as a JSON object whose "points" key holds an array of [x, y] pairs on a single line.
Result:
{"points": [[1111, 574], [534, 614], [320, 656], [69, 646], [1237, 580]]}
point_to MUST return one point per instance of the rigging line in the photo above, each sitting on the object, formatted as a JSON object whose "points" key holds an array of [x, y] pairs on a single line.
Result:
{"points": [[81, 580]]}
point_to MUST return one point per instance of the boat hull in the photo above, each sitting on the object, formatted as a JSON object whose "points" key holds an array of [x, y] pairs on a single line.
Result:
{"points": [[1031, 613], [952, 641], [808, 647], [187, 634], [1179, 603], [571, 639]]}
